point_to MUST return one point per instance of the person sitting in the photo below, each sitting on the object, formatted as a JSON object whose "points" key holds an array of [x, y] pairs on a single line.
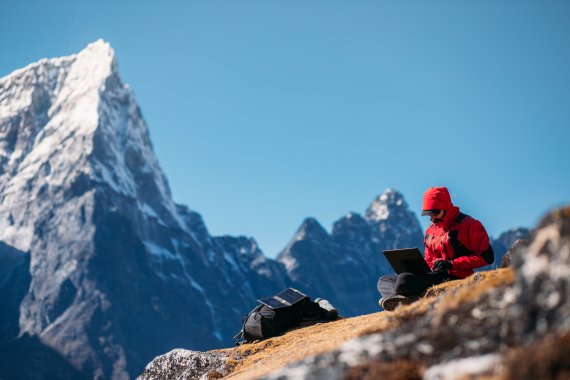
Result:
{"points": [[455, 245]]}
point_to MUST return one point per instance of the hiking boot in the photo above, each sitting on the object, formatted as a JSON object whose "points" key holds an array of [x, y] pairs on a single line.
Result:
{"points": [[392, 302], [329, 312]]}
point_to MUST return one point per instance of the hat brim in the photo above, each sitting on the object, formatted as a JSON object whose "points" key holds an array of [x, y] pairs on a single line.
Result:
{"points": [[430, 212]]}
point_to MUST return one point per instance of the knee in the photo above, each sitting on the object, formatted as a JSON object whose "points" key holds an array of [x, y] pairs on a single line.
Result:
{"points": [[405, 284], [386, 285]]}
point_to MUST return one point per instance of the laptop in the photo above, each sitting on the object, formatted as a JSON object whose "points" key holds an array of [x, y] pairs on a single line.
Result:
{"points": [[407, 260], [286, 298]]}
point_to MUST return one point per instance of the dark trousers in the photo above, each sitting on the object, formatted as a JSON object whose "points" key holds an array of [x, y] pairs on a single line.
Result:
{"points": [[410, 284]]}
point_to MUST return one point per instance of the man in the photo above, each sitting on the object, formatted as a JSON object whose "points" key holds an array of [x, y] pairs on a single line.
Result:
{"points": [[455, 244]]}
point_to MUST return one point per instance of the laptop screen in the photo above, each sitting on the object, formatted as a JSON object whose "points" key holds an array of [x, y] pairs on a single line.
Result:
{"points": [[407, 260]]}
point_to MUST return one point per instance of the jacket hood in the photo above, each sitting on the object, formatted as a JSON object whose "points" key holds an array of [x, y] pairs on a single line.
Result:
{"points": [[438, 198]]}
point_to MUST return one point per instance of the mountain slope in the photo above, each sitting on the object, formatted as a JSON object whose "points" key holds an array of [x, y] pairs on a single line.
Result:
{"points": [[118, 271]]}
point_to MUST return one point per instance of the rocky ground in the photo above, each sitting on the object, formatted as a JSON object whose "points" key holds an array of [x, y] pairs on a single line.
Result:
{"points": [[504, 324]]}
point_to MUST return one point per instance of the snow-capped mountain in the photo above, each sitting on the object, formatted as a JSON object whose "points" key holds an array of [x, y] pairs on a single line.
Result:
{"points": [[118, 272], [345, 265]]}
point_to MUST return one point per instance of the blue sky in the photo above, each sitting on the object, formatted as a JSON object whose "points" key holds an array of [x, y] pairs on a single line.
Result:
{"points": [[263, 113]]}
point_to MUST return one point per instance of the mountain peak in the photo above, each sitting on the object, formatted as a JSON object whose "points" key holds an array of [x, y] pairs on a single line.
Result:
{"points": [[384, 204], [99, 46], [72, 120], [311, 228], [91, 67], [99, 50]]}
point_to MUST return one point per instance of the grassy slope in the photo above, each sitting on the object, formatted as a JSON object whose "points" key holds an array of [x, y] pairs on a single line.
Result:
{"points": [[256, 359]]}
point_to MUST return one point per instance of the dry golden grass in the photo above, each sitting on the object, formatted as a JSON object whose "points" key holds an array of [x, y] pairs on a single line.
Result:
{"points": [[256, 359], [253, 360], [472, 288]]}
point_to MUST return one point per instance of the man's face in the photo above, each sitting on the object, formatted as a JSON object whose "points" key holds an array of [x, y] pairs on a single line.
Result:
{"points": [[438, 217]]}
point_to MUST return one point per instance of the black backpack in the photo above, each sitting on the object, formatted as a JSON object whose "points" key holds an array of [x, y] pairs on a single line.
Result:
{"points": [[264, 322]]}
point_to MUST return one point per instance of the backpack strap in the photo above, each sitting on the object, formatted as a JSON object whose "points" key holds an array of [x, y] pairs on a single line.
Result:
{"points": [[460, 218], [488, 255]]}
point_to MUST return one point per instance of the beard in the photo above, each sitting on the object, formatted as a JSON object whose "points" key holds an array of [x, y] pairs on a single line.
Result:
{"points": [[439, 220]]}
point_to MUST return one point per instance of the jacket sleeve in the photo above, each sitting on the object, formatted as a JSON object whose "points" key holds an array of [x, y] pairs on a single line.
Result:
{"points": [[429, 255], [476, 240]]}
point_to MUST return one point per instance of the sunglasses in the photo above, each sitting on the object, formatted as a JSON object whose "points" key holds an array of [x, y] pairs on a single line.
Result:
{"points": [[430, 212]]}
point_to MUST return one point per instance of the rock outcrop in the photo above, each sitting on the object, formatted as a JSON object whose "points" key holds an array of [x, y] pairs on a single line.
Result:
{"points": [[185, 364], [505, 242]]}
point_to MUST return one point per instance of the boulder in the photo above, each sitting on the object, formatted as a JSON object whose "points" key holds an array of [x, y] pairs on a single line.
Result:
{"points": [[186, 364]]}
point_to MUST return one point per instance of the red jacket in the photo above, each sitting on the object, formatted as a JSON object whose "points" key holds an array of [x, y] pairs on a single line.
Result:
{"points": [[458, 237]]}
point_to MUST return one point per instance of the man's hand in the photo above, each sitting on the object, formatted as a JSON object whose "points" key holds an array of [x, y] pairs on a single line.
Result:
{"points": [[441, 266]]}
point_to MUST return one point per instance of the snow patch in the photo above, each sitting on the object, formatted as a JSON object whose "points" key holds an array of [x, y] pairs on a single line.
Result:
{"points": [[231, 261], [289, 262], [149, 212], [159, 251]]}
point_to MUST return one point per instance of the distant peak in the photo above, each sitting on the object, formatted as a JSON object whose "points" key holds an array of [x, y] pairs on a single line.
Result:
{"points": [[311, 228], [98, 54], [99, 47], [384, 204], [97, 59]]}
